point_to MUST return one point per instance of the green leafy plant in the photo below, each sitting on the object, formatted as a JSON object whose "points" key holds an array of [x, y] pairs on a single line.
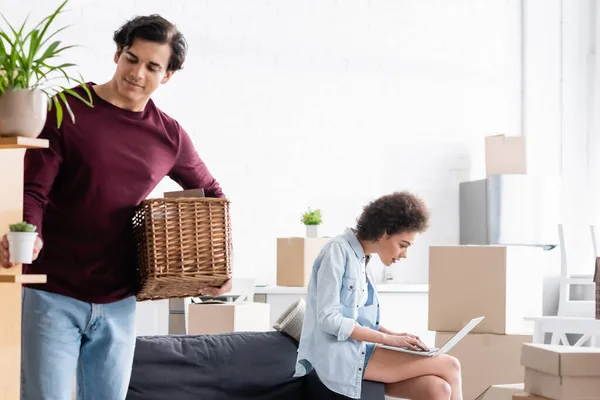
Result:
{"points": [[25, 58], [312, 217], [22, 227]]}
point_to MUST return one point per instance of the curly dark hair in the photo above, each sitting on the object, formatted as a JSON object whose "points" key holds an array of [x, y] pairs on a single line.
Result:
{"points": [[392, 214], [153, 28]]}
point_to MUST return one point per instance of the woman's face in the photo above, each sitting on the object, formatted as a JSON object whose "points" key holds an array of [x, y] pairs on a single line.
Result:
{"points": [[394, 247]]}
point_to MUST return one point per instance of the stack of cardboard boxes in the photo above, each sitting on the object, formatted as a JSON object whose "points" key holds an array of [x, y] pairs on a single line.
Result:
{"points": [[553, 373], [562, 372], [502, 283]]}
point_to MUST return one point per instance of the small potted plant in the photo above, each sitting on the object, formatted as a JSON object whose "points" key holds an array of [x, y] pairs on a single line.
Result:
{"points": [[312, 219], [21, 242], [28, 75]]}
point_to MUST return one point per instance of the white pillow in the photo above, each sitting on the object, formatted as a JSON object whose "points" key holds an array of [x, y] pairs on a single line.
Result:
{"points": [[291, 320]]}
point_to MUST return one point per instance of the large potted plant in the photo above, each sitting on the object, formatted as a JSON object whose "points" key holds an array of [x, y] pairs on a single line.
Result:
{"points": [[312, 219], [28, 73]]}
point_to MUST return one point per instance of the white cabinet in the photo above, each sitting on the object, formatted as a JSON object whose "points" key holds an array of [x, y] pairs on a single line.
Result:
{"points": [[152, 317], [403, 307]]}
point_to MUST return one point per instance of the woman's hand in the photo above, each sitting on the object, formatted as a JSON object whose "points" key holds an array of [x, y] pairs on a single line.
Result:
{"points": [[407, 340], [406, 334]]}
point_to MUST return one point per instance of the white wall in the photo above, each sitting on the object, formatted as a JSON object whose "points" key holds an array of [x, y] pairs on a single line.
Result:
{"points": [[561, 99], [326, 103]]}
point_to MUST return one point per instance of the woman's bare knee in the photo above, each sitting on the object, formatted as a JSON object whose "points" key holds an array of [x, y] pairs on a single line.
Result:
{"points": [[437, 389], [451, 364]]}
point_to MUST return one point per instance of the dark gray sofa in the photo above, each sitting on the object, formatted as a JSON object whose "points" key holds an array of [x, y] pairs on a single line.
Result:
{"points": [[235, 366]]}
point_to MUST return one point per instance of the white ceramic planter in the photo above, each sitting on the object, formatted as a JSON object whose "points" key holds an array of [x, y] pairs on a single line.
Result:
{"points": [[23, 112], [312, 231], [20, 246]]}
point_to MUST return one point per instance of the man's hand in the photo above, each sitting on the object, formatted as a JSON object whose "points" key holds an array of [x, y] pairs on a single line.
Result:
{"points": [[5, 256], [218, 291]]}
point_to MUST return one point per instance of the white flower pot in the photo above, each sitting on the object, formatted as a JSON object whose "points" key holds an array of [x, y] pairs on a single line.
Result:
{"points": [[23, 112], [312, 231], [20, 246]]}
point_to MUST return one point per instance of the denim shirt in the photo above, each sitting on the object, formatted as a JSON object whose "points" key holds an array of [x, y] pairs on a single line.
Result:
{"points": [[332, 310]]}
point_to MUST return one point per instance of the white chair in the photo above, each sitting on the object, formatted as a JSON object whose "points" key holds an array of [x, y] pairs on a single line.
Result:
{"points": [[566, 306], [559, 327], [574, 317]]}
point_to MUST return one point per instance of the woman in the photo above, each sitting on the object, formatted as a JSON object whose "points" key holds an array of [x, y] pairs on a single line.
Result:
{"points": [[341, 325]]}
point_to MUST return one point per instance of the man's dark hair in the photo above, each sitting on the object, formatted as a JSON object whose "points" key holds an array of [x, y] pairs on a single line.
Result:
{"points": [[394, 213], [153, 28]]}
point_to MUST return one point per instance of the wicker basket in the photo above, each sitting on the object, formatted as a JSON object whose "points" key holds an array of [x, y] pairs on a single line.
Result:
{"points": [[183, 246]]}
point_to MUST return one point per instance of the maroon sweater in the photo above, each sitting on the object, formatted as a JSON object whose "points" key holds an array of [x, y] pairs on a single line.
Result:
{"points": [[82, 192]]}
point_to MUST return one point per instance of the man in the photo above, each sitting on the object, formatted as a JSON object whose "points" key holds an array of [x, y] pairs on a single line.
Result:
{"points": [[81, 194]]}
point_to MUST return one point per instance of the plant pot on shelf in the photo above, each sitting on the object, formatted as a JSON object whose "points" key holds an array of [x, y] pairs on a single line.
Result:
{"points": [[312, 231], [20, 246], [23, 112]]}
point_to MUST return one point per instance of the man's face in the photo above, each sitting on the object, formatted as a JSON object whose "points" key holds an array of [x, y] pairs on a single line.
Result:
{"points": [[141, 67]]}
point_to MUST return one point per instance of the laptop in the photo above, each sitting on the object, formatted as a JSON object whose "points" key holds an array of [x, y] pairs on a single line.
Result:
{"points": [[445, 348]]}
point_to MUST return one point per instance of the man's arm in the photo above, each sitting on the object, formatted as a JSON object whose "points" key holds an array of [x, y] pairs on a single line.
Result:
{"points": [[41, 169], [190, 171]]}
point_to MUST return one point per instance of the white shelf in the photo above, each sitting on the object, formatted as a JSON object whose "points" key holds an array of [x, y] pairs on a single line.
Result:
{"points": [[381, 288]]}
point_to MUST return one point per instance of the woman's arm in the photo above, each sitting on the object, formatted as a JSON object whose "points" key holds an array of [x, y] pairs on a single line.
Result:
{"points": [[384, 330], [387, 331], [368, 335], [329, 282]]}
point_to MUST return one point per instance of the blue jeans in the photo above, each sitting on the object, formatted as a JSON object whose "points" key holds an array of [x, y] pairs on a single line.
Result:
{"points": [[62, 336]]}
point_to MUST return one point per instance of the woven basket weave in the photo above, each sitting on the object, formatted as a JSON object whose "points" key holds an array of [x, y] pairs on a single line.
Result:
{"points": [[183, 246]]}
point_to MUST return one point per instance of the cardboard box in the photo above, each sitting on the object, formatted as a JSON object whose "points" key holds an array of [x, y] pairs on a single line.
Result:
{"points": [[228, 317], [562, 387], [501, 392], [486, 360], [562, 372], [295, 258], [502, 283], [505, 155]]}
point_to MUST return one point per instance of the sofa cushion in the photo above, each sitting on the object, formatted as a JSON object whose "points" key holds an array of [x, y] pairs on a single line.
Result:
{"points": [[291, 320], [235, 366]]}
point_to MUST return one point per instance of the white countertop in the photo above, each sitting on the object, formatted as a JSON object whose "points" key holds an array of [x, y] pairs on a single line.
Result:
{"points": [[381, 288]]}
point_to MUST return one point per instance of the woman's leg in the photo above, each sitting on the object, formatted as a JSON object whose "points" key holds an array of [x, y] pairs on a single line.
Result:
{"points": [[389, 366], [428, 387]]}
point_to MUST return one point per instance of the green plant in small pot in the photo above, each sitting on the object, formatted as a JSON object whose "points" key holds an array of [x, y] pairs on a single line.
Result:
{"points": [[312, 219], [28, 75], [21, 242]]}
